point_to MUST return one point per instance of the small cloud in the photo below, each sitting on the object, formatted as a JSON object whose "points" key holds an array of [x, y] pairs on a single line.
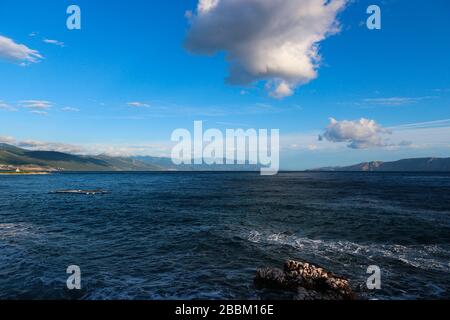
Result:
{"points": [[33, 34], [18, 53], [280, 90], [394, 101], [70, 109], [7, 107], [423, 125], [359, 134], [7, 139], [54, 42], [36, 104], [39, 112], [442, 90], [138, 104], [49, 146]]}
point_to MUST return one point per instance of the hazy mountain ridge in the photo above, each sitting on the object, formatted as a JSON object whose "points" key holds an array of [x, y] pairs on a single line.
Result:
{"points": [[415, 164], [13, 157]]}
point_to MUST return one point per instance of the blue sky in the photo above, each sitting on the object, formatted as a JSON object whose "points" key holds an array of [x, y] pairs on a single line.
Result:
{"points": [[128, 78]]}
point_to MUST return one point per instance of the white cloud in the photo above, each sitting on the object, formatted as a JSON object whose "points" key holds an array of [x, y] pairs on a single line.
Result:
{"points": [[48, 146], [425, 137], [394, 101], [6, 106], [280, 90], [55, 42], [421, 125], [17, 53], [276, 41], [42, 145], [162, 149], [39, 112], [442, 90], [359, 134], [137, 104], [7, 139], [70, 109], [36, 104]]}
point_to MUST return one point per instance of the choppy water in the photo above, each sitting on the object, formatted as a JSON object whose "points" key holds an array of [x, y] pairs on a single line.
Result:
{"points": [[202, 235]]}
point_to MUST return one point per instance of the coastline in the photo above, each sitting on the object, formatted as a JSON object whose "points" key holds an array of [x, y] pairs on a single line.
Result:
{"points": [[23, 173]]}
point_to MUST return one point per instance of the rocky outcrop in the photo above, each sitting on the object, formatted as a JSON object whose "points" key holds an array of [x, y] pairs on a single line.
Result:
{"points": [[308, 281]]}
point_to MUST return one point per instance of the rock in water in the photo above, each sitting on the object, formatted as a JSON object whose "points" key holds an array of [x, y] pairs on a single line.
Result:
{"points": [[85, 192], [308, 281]]}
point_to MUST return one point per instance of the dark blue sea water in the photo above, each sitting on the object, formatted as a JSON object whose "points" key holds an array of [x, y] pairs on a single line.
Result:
{"points": [[202, 235]]}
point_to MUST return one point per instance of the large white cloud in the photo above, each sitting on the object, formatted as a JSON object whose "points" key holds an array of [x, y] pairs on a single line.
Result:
{"points": [[274, 40], [17, 53], [359, 134]]}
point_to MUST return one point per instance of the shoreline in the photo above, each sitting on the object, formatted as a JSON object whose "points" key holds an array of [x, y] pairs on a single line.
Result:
{"points": [[23, 173]]}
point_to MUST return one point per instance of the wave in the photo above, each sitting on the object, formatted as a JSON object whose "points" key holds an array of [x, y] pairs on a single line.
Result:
{"points": [[14, 230], [424, 257]]}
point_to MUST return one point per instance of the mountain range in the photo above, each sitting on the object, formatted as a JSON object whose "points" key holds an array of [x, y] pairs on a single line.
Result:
{"points": [[405, 165], [12, 157]]}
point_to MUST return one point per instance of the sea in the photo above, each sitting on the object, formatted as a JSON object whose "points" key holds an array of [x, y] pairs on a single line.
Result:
{"points": [[202, 235]]}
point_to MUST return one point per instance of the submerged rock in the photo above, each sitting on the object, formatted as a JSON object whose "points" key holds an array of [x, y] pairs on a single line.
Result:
{"points": [[85, 192], [308, 281]]}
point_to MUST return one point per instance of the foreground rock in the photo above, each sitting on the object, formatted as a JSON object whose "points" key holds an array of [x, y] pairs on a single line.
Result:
{"points": [[309, 282]]}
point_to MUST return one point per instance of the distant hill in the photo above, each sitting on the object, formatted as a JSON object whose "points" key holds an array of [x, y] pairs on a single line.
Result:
{"points": [[12, 157], [416, 164]]}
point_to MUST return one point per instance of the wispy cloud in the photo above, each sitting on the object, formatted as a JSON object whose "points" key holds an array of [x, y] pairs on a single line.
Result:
{"points": [[7, 139], [17, 53], [160, 108], [442, 90], [394, 101], [39, 112], [423, 125], [119, 150], [137, 104], [48, 146], [6, 106], [70, 109], [36, 104], [54, 42]]}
